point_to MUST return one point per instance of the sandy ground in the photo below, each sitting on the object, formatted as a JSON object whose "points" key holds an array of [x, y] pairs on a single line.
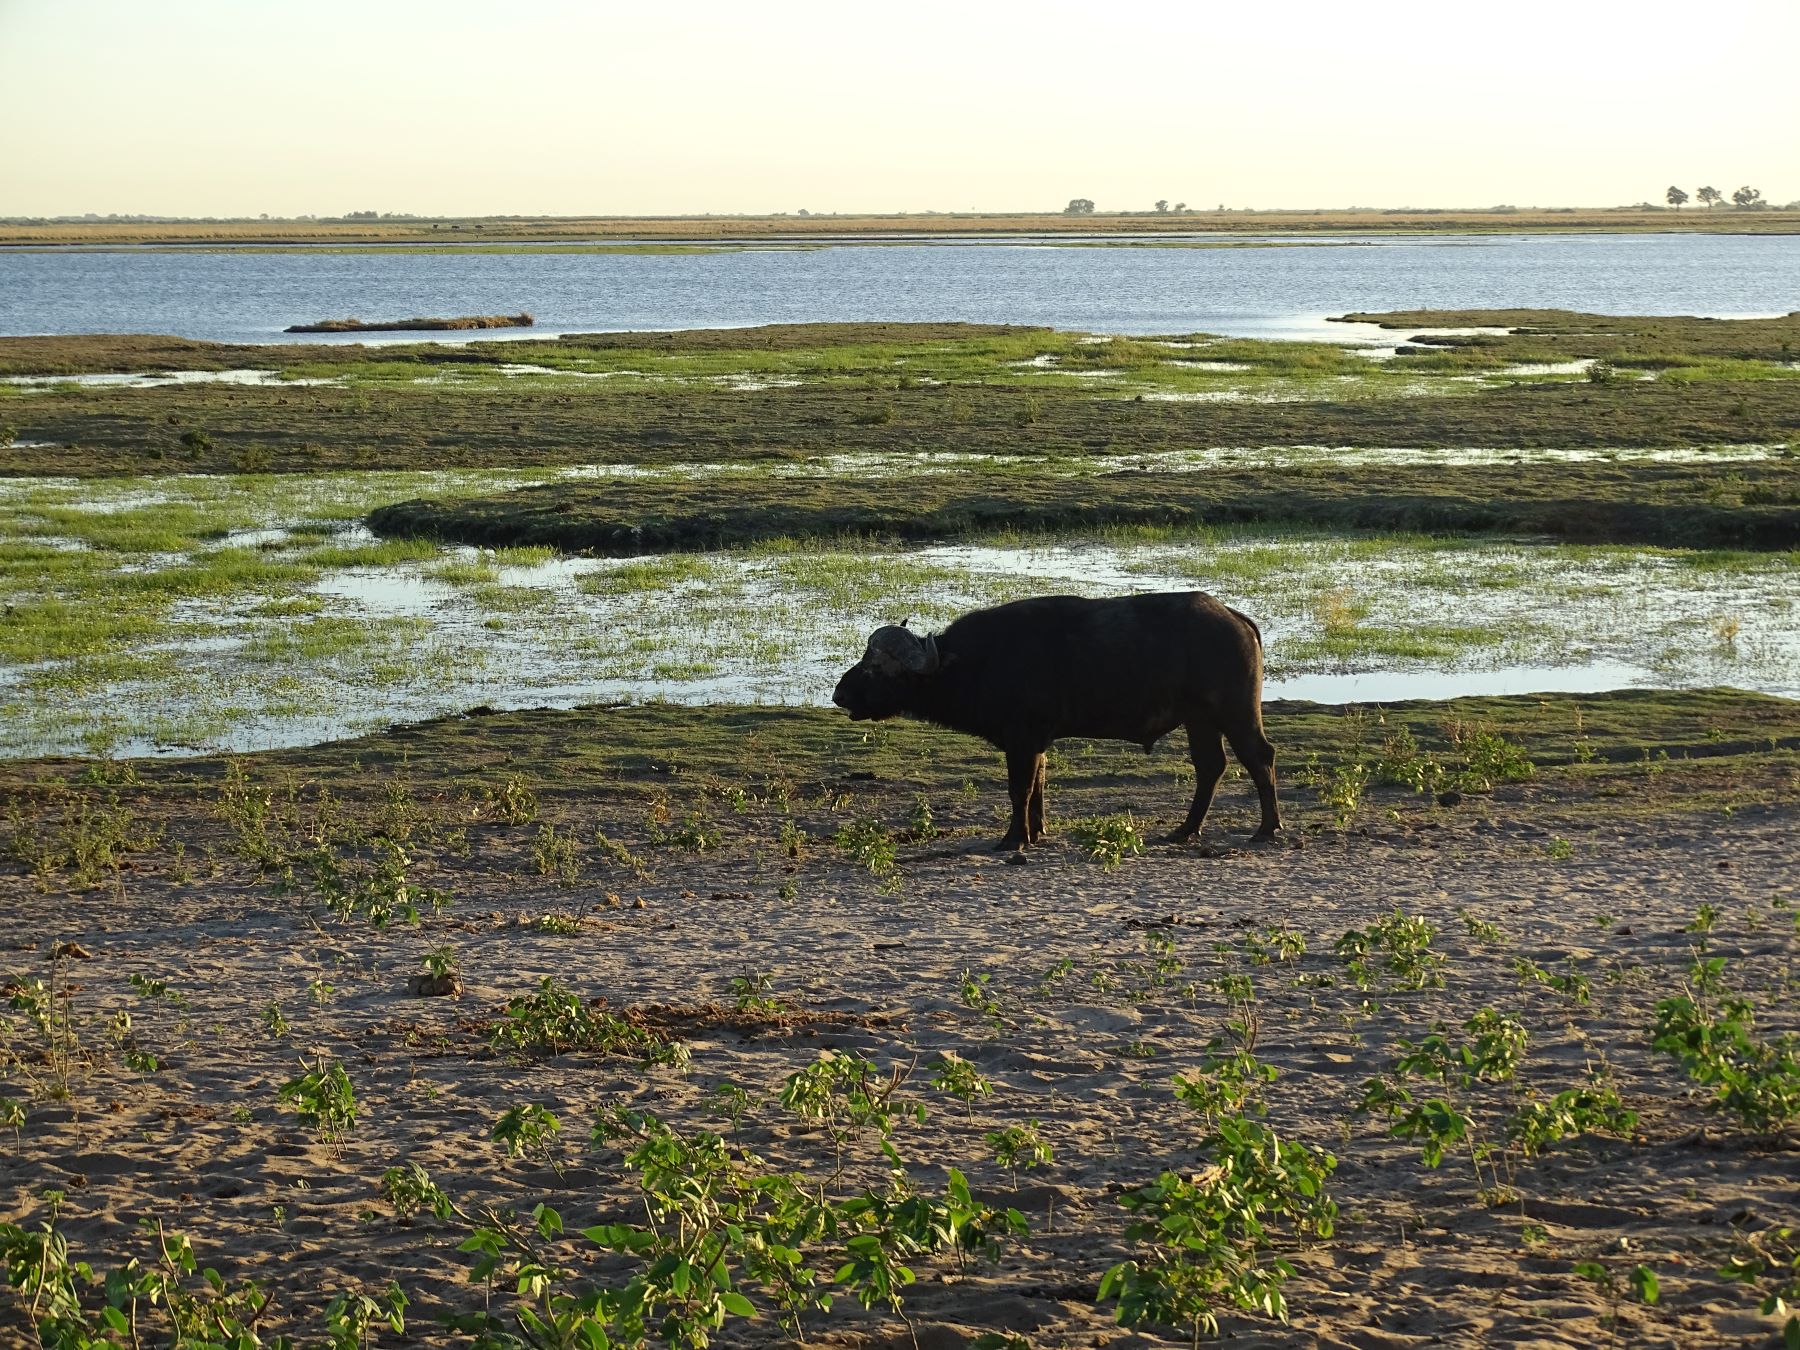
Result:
{"points": [[1419, 1259]]}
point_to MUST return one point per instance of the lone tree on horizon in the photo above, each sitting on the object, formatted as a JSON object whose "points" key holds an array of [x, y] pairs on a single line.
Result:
{"points": [[1748, 198], [1079, 206], [1675, 197], [1710, 196]]}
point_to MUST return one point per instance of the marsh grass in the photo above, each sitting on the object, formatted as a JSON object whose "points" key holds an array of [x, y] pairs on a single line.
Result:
{"points": [[284, 644], [462, 322], [1654, 503], [820, 389]]}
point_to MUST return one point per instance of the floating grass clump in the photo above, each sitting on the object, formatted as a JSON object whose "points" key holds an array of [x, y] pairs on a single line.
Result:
{"points": [[520, 320]]}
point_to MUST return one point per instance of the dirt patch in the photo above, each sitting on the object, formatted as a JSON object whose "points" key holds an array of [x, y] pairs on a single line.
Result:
{"points": [[1060, 997]]}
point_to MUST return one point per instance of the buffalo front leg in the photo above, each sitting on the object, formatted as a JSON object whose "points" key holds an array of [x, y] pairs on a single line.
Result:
{"points": [[1021, 780], [1034, 807], [1208, 754]]}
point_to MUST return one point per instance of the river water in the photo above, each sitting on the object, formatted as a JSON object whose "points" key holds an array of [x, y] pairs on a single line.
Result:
{"points": [[1282, 291]]}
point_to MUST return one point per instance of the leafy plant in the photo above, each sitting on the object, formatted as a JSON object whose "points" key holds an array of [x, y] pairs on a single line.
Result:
{"points": [[977, 996], [960, 1079], [718, 1224], [378, 891], [869, 844], [1205, 1242], [1164, 964], [1108, 840], [55, 1291], [732, 1101], [323, 1098], [1019, 1148], [1487, 758], [1481, 928], [750, 993], [1756, 1080], [553, 1021], [1277, 943], [1052, 977], [1593, 1109], [529, 1130], [1571, 983], [49, 1010], [888, 1227], [1641, 1282], [352, 1316], [1342, 791], [1399, 946], [555, 855], [515, 803], [921, 824], [409, 1190], [160, 991], [1771, 1260], [1402, 763], [846, 1095], [1491, 1053], [695, 834], [1228, 1081]]}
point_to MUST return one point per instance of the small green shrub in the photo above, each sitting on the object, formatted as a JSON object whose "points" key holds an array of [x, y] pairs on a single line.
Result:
{"points": [[323, 1098], [869, 844], [1107, 839], [1019, 1148], [553, 1021]]}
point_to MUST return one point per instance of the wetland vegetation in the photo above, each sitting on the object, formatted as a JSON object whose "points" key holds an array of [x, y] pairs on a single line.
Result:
{"points": [[454, 325], [180, 608], [1736, 504], [651, 1017], [806, 391], [185, 611]]}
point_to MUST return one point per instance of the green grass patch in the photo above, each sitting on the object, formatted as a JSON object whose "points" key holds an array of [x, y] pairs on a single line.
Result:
{"points": [[1687, 505], [805, 391]]}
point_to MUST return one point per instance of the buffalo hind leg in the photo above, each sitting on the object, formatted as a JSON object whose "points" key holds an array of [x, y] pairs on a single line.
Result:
{"points": [[1034, 807], [1022, 769], [1254, 752], [1208, 754]]}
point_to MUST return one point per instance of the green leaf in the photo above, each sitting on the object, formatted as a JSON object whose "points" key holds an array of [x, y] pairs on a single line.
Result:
{"points": [[736, 1304], [1643, 1282]]}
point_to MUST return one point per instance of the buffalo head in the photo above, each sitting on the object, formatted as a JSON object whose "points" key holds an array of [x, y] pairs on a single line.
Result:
{"points": [[882, 683]]}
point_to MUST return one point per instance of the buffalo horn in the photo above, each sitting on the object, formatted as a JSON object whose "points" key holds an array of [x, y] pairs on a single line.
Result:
{"points": [[897, 647]]}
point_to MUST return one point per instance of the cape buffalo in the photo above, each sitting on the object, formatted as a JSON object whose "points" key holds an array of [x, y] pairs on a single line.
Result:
{"points": [[1131, 669]]}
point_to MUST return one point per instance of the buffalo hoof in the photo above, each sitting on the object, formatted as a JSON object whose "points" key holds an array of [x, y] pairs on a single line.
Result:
{"points": [[1267, 836], [1010, 844], [1179, 836]]}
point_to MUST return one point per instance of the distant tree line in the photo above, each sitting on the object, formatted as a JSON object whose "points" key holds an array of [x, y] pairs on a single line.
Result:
{"points": [[1745, 198], [1084, 206]]}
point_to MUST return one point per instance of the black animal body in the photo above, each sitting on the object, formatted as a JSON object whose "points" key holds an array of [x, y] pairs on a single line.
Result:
{"points": [[1133, 668]]}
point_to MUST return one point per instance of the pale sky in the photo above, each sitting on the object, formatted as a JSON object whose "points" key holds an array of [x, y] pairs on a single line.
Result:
{"points": [[240, 107]]}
